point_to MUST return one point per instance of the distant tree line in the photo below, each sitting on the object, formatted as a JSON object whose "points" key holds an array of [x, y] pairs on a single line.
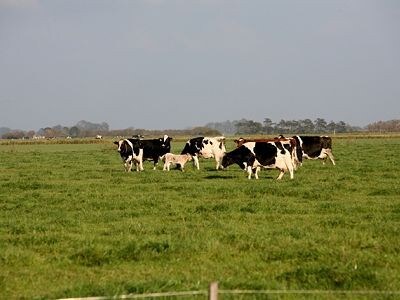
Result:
{"points": [[238, 127], [87, 129], [306, 126], [385, 126]]}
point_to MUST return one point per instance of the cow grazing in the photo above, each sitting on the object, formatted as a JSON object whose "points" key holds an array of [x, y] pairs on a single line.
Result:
{"points": [[131, 151], [251, 156], [314, 147], [175, 159], [206, 147], [153, 149], [289, 143]]}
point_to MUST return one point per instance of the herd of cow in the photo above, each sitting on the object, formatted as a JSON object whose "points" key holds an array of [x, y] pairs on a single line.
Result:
{"points": [[284, 154]]}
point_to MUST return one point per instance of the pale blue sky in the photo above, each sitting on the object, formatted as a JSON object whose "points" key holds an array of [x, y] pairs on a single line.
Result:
{"points": [[173, 64]]}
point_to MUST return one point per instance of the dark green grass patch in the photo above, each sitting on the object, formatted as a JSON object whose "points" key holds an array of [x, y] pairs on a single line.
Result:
{"points": [[74, 224]]}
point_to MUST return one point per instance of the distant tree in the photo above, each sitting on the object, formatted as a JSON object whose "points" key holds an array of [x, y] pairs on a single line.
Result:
{"points": [[248, 127], [269, 126], [282, 127], [49, 132], [331, 127], [385, 126], [307, 126], [341, 127], [30, 134], [14, 134], [320, 125], [74, 131]]}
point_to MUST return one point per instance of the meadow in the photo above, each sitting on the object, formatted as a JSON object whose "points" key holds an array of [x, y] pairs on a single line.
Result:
{"points": [[74, 224]]}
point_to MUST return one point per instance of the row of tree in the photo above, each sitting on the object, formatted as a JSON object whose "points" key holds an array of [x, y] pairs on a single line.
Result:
{"points": [[385, 126], [237, 127], [308, 126], [87, 129]]}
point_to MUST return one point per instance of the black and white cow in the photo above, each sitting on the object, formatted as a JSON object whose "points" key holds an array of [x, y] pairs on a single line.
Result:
{"points": [[289, 143], [206, 147], [251, 156], [314, 147], [152, 149], [131, 151]]}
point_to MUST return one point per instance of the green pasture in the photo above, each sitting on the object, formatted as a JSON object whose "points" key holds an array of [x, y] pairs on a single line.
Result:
{"points": [[74, 224]]}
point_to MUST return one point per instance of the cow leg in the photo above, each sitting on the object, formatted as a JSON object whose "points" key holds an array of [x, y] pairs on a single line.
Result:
{"points": [[280, 174], [249, 171], [155, 163], [325, 153], [129, 166], [256, 172], [141, 165], [330, 155], [219, 162], [196, 162], [290, 166]]}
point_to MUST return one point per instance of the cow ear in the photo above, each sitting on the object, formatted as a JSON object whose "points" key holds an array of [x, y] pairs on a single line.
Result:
{"points": [[116, 143]]}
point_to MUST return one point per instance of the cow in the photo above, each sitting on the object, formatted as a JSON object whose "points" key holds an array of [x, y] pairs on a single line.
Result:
{"points": [[153, 149], [131, 150], [206, 147], [175, 159], [314, 147], [251, 156], [289, 143]]}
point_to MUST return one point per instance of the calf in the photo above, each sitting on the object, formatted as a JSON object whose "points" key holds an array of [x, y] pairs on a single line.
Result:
{"points": [[206, 147], [175, 159], [251, 156], [315, 147], [131, 150], [153, 149]]}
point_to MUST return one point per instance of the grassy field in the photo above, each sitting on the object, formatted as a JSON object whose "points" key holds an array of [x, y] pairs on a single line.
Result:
{"points": [[73, 224]]}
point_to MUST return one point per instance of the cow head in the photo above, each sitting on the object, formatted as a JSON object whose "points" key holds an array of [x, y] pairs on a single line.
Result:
{"points": [[166, 143], [119, 144], [227, 161], [239, 142]]}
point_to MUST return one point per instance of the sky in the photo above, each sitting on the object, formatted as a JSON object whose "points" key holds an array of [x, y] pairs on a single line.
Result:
{"points": [[176, 64]]}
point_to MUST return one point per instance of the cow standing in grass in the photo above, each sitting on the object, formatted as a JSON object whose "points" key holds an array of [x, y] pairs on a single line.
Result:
{"points": [[206, 147], [131, 151], [153, 149], [137, 150], [252, 156], [290, 144], [314, 147]]}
